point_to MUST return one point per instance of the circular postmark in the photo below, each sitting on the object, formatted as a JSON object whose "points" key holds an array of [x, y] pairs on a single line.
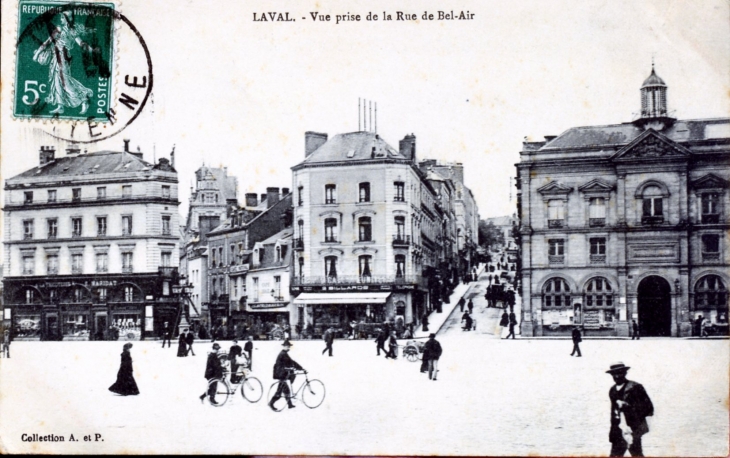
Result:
{"points": [[83, 69]]}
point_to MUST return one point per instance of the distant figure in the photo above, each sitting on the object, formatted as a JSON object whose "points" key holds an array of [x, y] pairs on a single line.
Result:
{"points": [[6, 344], [512, 324], [189, 339], [182, 346], [468, 322], [380, 341], [630, 405], [431, 353], [576, 340], [705, 328], [504, 321], [248, 348], [125, 384], [635, 328], [425, 321], [233, 354], [329, 338], [461, 303], [392, 346], [470, 305], [166, 335], [213, 370], [699, 322]]}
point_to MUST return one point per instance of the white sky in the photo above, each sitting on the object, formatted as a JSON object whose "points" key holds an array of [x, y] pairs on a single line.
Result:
{"points": [[231, 92]]}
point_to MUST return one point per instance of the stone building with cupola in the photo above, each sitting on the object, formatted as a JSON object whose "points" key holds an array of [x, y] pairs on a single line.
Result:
{"points": [[627, 222]]}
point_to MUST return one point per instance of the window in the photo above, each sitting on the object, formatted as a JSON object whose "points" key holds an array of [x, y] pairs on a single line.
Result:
{"points": [[220, 256], [330, 194], [28, 197], [556, 293], [255, 289], [598, 293], [300, 196], [364, 195], [76, 227], [277, 287], [232, 257], [710, 247], [28, 265], [27, 229], [127, 262], [598, 249], [78, 294], [165, 192], [330, 267], [597, 212], [52, 227], [365, 232], [400, 265], [300, 225], [52, 264], [364, 263], [126, 191], [76, 194], [101, 192], [278, 254], [166, 258], [330, 230], [710, 208], [126, 224], [400, 191], [301, 267], [556, 250], [101, 225], [29, 293], [234, 288], [652, 205], [101, 294], [400, 228], [166, 225], [284, 250], [556, 213], [102, 262], [711, 292], [51, 195], [128, 294], [77, 263]]}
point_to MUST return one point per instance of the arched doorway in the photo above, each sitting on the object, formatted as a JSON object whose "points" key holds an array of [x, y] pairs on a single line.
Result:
{"points": [[655, 307]]}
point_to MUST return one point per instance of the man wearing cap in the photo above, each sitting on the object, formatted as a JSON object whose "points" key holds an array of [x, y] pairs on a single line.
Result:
{"points": [[431, 353], [283, 371], [233, 354], [213, 370], [630, 405]]}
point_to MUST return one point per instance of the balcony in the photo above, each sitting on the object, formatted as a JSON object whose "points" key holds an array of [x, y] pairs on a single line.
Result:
{"points": [[360, 280], [167, 272], [299, 244], [556, 258], [555, 223], [596, 222], [127, 269], [598, 259], [710, 219], [652, 220], [710, 256], [401, 241]]}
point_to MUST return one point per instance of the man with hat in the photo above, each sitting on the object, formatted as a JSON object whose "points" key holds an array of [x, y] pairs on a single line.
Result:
{"points": [[431, 353], [284, 372], [213, 370], [166, 335], [233, 355], [630, 405]]}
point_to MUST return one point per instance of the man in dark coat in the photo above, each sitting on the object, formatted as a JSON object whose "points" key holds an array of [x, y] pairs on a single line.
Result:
{"points": [[512, 324], [6, 344], [392, 346], [182, 346], [470, 305], [425, 322], [431, 353], [189, 339], [329, 338], [467, 319], [576, 340], [213, 371], [233, 353], [284, 372], [248, 348], [635, 328], [630, 405], [380, 340], [166, 335], [461, 303]]}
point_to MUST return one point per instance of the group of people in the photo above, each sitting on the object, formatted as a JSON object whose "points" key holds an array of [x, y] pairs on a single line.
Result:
{"points": [[509, 320], [384, 335], [184, 343]]}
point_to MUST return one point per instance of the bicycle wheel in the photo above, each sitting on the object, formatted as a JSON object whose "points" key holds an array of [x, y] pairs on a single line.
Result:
{"points": [[313, 394], [251, 389], [222, 391], [280, 403]]}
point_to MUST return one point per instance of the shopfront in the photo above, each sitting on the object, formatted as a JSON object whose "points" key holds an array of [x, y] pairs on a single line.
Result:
{"points": [[345, 311], [264, 317]]}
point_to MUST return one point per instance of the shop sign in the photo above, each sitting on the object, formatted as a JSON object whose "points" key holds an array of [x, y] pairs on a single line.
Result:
{"points": [[592, 319], [268, 305]]}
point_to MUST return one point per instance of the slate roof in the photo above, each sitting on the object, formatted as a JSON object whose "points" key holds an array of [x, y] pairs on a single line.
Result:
{"points": [[226, 184], [653, 80], [353, 146], [87, 164]]}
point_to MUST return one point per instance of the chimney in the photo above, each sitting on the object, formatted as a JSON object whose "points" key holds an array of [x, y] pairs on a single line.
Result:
{"points": [[458, 170], [263, 198], [312, 141], [284, 191], [407, 147], [47, 154], [549, 138], [251, 200], [126, 145], [272, 197]]}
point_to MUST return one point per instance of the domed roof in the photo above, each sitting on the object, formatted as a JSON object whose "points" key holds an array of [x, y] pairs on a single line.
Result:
{"points": [[653, 80]]}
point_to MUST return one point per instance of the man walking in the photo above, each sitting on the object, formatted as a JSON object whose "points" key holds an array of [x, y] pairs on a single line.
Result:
{"points": [[284, 372], [432, 352], [189, 339], [635, 328], [6, 344], [213, 371], [576, 340], [392, 346], [248, 348], [461, 303], [470, 306], [380, 341], [329, 337], [630, 405], [512, 324], [166, 335]]}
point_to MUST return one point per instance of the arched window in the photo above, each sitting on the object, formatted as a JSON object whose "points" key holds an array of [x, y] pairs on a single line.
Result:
{"points": [[652, 205], [365, 231], [330, 267], [365, 263], [400, 265], [598, 293], [711, 292], [556, 293], [330, 230]]}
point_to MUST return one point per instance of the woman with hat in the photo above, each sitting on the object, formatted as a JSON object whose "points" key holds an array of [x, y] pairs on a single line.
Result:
{"points": [[630, 405], [125, 384]]}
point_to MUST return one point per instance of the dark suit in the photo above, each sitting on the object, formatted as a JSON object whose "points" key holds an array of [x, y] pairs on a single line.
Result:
{"points": [[636, 334], [166, 337], [234, 352], [248, 348], [329, 338], [213, 370], [281, 373], [189, 339], [431, 353], [576, 340], [638, 406]]}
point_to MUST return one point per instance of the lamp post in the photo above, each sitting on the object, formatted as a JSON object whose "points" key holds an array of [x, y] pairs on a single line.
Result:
{"points": [[183, 292]]}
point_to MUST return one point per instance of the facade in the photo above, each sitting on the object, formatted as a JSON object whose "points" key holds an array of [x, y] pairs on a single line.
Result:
{"points": [[91, 246], [626, 222], [367, 228]]}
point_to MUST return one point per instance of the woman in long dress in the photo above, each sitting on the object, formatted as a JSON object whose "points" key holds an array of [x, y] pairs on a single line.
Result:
{"points": [[182, 346], [125, 384]]}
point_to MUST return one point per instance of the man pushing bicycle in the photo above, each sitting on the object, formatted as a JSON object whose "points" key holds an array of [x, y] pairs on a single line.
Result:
{"points": [[284, 371]]}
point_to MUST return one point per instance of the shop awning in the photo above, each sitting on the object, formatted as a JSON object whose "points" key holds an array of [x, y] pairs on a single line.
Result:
{"points": [[341, 298]]}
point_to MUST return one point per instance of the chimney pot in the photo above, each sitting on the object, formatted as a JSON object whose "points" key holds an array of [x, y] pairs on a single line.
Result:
{"points": [[312, 141], [284, 191], [46, 154], [251, 199], [126, 145], [263, 197], [272, 196]]}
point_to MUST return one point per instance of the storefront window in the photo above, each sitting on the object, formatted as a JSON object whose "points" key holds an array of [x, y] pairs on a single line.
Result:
{"points": [[129, 325], [711, 297], [598, 293], [76, 325], [27, 326], [556, 293]]}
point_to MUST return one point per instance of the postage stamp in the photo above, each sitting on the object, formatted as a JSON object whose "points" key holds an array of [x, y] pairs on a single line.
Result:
{"points": [[64, 59]]}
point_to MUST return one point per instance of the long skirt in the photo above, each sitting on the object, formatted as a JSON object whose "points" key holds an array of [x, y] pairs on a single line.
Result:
{"points": [[125, 384]]}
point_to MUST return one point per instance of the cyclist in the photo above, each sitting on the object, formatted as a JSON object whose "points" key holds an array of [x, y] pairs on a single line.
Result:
{"points": [[213, 370], [284, 371]]}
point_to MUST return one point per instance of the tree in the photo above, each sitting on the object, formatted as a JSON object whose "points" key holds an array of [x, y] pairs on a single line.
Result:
{"points": [[489, 235]]}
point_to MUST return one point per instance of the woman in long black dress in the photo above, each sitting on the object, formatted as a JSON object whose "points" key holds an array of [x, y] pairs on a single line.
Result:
{"points": [[182, 346], [125, 384]]}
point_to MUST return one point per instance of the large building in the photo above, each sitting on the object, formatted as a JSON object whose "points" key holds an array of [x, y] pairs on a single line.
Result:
{"points": [[627, 222], [91, 243]]}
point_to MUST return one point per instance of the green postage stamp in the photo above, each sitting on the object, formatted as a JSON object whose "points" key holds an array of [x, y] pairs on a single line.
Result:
{"points": [[64, 60]]}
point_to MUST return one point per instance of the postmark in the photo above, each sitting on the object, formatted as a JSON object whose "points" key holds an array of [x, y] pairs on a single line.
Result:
{"points": [[82, 69]]}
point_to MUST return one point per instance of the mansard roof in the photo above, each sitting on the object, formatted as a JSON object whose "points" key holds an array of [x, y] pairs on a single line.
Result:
{"points": [[352, 147], [101, 162], [651, 145]]}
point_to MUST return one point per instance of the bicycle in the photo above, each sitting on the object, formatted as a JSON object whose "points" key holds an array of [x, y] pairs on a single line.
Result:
{"points": [[251, 388], [312, 396]]}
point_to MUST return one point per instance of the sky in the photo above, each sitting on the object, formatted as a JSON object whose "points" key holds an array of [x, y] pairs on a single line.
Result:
{"points": [[232, 92]]}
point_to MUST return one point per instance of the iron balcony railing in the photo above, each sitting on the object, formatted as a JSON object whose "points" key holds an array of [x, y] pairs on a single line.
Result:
{"points": [[401, 240], [360, 280]]}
